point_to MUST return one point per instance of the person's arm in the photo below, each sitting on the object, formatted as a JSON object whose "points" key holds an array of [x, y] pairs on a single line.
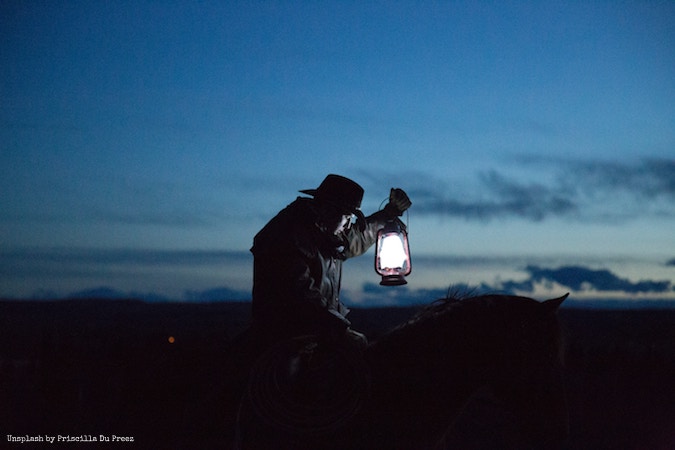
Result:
{"points": [[361, 238]]}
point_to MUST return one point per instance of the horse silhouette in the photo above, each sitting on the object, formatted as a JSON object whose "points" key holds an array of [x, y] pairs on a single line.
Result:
{"points": [[410, 386]]}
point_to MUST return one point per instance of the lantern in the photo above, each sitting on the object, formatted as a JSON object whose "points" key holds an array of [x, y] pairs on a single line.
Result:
{"points": [[392, 255]]}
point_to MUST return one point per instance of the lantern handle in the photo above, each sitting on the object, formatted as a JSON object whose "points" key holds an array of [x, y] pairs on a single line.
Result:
{"points": [[404, 226]]}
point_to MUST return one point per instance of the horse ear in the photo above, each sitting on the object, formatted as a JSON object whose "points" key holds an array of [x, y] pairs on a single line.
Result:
{"points": [[553, 304]]}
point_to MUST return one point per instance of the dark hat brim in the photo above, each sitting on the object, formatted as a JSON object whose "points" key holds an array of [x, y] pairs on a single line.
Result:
{"points": [[342, 192], [313, 193]]}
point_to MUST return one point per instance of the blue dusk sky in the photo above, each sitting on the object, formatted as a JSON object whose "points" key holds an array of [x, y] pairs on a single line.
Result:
{"points": [[143, 144]]}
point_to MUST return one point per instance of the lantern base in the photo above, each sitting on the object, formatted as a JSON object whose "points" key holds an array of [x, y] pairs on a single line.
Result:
{"points": [[393, 280]]}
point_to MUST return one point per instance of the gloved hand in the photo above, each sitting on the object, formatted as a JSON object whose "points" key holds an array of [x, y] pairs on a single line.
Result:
{"points": [[398, 202], [356, 339]]}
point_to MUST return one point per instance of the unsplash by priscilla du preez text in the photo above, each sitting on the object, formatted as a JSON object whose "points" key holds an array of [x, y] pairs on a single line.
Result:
{"points": [[67, 438]]}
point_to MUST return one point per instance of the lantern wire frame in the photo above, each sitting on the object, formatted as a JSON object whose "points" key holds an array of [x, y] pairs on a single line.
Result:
{"points": [[399, 279]]}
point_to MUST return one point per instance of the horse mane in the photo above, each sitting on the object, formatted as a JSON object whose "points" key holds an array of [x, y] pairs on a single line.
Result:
{"points": [[454, 300]]}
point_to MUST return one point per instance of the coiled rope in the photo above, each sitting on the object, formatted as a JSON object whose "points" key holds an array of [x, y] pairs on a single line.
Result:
{"points": [[302, 387]]}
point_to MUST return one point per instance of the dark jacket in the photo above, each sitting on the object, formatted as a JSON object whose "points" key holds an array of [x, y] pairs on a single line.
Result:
{"points": [[297, 272]]}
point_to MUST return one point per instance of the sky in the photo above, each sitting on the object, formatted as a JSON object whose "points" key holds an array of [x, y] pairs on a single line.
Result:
{"points": [[143, 144]]}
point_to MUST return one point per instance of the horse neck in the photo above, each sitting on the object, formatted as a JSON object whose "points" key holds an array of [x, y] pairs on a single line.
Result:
{"points": [[436, 365], [469, 342]]}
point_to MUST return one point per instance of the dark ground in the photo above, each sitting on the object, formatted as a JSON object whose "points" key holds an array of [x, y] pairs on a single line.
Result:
{"points": [[101, 367]]}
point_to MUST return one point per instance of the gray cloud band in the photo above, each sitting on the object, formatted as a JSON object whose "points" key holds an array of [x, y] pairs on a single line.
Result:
{"points": [[582, 190]]}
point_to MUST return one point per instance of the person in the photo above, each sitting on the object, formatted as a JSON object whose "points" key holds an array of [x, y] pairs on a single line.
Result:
{"points": [[298, 256]]}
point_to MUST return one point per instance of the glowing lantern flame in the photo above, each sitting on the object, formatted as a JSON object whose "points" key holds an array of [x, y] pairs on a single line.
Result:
{"points": [[392, 254]]}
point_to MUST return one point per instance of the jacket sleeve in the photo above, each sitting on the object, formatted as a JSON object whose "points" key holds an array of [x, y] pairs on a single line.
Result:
{"points": [[307, 296], [361, 241]]}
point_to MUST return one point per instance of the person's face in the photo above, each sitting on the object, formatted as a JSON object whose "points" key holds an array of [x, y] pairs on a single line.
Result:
{"points": [[337, 221], [346, 221]]}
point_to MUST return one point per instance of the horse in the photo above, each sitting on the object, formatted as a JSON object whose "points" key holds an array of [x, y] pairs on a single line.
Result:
{"points": [[408, 388]]}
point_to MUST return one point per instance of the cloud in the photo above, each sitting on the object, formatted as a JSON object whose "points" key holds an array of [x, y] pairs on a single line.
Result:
{"points": [[497, 196], [575, 278], [54, 272], [649, 178], [582, 278], [99, 293], [109, 293], [594, 190], [671, 262], [40, 257], [373, 295]]}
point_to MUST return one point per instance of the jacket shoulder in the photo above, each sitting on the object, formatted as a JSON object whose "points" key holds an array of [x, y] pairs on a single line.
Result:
{"points": [[292, 229]]}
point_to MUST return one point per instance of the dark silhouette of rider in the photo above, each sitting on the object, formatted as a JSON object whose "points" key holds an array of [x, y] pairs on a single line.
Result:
{"points": [[298, 257]]}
